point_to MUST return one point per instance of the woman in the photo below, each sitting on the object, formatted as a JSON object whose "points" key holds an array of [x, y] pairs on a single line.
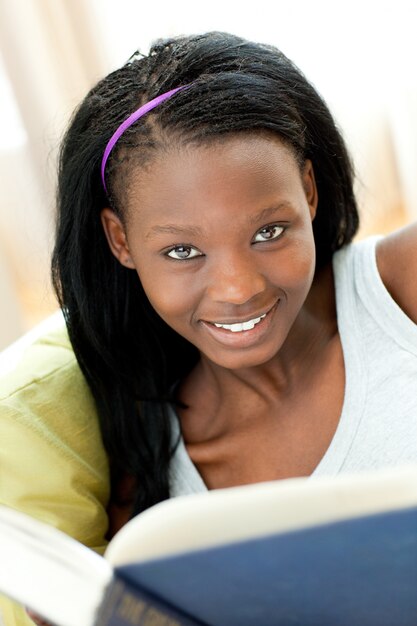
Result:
{"points": [[228, 330]]}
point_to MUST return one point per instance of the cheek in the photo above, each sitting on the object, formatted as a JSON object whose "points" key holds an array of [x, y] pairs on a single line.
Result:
{"points": [[298, 265], [171, 296]]}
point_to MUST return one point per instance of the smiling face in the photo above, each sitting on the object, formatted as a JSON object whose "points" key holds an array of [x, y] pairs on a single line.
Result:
{"points": [[221, 238]]}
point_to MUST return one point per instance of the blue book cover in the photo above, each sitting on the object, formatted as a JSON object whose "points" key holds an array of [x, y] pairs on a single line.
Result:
{"points": [[360, 572]]}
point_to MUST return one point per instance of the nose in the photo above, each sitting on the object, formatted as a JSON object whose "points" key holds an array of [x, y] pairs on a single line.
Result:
{"points": [[235, 279]]}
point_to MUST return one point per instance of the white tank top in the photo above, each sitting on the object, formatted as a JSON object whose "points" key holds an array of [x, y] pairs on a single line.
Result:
{"points": [[378, 423]]}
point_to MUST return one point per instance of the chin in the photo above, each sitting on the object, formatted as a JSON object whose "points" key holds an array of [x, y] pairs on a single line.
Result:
{"points": [[241, 359]]}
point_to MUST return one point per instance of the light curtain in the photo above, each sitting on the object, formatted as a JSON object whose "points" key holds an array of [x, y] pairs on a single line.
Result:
{"points": [[51, 55]]}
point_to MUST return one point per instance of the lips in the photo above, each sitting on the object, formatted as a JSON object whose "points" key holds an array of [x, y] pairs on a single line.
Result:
{"points": [[241, 333], [238, 327], [244, 324]]}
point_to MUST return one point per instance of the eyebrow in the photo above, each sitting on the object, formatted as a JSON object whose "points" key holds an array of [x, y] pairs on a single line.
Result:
{"points": [[173, 229], [270, 211], [193, 231]]}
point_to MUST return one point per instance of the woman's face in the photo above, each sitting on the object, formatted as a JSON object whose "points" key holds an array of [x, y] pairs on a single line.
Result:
{"points": [[221, 238]]}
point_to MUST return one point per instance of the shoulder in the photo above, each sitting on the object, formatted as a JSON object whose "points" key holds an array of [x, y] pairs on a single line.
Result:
{"points": [[396, 257], [46, 382], [53, 463], [26, 364]]}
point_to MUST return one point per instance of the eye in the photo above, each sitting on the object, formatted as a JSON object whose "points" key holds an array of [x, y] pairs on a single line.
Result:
{"points": [[183, 253], [268, 233]]}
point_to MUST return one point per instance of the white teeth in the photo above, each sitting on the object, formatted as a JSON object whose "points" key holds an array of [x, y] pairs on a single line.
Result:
{"points": [[248, 325], [238, 327]]}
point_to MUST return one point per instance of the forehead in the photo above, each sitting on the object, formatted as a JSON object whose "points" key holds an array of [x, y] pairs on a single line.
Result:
{"points": [[238, 169]]}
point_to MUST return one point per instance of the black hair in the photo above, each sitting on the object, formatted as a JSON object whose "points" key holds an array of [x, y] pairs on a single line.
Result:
{"points": [[128, 355]]}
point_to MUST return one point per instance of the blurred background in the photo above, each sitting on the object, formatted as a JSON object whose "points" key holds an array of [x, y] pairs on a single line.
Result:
{"points": [[361, 56]]}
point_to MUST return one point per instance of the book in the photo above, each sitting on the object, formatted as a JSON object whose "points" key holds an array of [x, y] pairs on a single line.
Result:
{"points": [[323, 551]]}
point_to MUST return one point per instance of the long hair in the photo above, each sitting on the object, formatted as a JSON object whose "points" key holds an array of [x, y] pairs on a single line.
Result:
{"points": [[129, 356]]}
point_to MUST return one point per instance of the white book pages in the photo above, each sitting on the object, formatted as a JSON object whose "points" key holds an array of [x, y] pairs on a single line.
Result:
{"points": [[46, 570]]}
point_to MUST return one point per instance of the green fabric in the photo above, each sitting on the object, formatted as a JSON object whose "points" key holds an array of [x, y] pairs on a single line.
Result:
{"points": [[52, 462]]}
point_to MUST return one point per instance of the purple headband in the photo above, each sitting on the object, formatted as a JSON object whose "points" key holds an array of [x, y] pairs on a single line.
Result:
{"points": [[145, 108]]}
